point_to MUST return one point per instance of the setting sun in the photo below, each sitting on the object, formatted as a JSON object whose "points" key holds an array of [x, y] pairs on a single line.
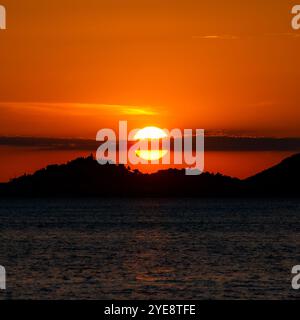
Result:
{"points": [[151, 133]]}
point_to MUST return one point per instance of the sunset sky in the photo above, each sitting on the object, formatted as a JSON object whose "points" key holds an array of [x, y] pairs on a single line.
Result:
{"points": [[70, 68]]}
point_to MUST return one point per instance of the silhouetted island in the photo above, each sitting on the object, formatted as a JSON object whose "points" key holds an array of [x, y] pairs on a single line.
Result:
{"points": [[84, 177]]}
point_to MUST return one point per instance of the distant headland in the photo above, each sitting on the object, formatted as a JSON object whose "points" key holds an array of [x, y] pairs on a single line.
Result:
{"points": [[84, 177]]}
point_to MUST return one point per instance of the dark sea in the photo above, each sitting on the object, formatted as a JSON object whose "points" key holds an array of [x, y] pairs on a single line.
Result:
{"points": [[149, 248]]}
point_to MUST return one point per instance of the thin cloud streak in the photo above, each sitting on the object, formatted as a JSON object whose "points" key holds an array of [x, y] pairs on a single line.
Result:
{"points": [[216, 37], [74, 108]]}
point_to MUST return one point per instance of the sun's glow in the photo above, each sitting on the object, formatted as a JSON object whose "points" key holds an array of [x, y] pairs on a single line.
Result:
{"points": [[151, 133]]}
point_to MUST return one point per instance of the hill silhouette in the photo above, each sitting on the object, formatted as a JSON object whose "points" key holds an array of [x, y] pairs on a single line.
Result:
{"points": [[84, 177], [282, 179]]}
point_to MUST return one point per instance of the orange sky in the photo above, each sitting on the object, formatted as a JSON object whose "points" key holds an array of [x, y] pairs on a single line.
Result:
{"points": [[69, 68]]}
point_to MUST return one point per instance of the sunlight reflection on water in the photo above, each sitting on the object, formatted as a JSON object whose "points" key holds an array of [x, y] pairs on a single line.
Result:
{"points": [[149, 248]]}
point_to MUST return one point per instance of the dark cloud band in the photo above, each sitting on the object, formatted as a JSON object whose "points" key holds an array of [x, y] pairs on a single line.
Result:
{"points": [[212, 143]]}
